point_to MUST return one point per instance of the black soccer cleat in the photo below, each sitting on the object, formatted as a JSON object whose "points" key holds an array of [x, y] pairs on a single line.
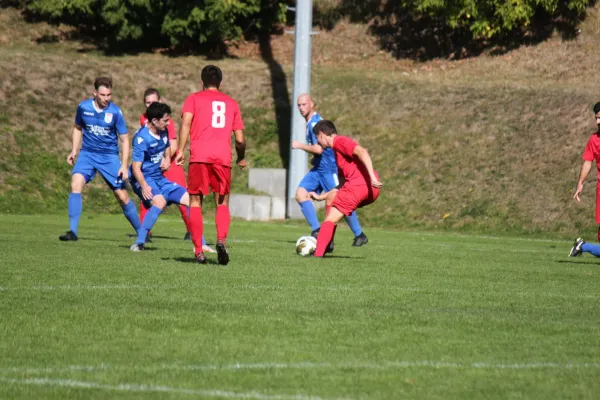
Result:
{"points": [[329, 248], [315, 233], [360, 240], [188, 236], [201, 258], [68, 237], [222, 254], [149, 237], [576, 249]]}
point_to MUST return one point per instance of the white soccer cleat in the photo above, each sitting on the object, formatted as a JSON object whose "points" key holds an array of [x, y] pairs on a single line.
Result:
{"points": [[207, 249]]}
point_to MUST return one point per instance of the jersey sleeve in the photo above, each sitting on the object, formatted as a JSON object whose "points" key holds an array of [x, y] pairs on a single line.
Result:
{"points": [[79, 116], [189, 105], [171, 129], [238, 124], [139, 148], [311, 138], [143, 120], [590, 152], [120, 124], [344, 145]]}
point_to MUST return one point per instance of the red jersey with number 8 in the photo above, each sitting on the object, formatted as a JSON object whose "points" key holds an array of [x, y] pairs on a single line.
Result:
{"points": [[216, 116]]}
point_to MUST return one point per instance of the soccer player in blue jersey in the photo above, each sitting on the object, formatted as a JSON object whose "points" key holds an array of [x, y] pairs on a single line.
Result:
{"points": [[323, 177], [151, 157], [99, 127]]}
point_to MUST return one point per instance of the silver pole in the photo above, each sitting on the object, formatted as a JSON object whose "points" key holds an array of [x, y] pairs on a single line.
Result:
{"points": [[302, 60]]}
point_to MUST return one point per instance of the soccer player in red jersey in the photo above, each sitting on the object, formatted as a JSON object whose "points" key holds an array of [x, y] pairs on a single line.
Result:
{"points": [[208, 119], [361, 183], [591, 153]]}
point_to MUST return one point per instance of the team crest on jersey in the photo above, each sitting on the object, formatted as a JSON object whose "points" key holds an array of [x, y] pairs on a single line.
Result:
{"points": [[108, 117], [165, 140]]}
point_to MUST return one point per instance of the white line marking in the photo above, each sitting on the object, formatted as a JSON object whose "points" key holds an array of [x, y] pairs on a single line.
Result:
{"points": [[305, 365], [134, 387], [519, 239]]}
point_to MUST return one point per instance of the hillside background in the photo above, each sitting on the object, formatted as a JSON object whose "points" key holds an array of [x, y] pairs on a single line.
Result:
{"points": [[488, 143]]}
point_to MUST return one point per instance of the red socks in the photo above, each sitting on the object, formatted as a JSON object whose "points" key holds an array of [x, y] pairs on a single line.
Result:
{"points": [[197, 227], [184, 216], [222, 220], [325, 236]]}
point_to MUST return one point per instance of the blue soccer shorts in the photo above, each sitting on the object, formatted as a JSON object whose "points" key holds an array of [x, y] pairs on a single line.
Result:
{"points": [[171, 191], [318, 182], [107, 165]]}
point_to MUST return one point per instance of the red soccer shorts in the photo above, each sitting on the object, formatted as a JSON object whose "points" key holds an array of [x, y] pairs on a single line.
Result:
{"points": [[202, 176], [176, 174], [349, 198]]}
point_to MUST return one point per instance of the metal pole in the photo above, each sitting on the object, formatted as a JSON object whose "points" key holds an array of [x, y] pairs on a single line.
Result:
{"points": [[302, 60]]}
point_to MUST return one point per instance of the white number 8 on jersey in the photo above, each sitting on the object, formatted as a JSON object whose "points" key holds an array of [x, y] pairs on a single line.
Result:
{"points": [[218, 117]]}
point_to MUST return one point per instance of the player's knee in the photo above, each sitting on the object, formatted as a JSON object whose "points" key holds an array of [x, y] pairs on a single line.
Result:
{"points": [[301, 195], [122, 196], [77, 183], [159, 202]]}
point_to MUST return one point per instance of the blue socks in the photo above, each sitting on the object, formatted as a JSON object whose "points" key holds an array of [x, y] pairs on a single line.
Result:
{"points": [[74, 206], [149, 221], [310, 213], [591, 248], [132, 215], [353, 223]]}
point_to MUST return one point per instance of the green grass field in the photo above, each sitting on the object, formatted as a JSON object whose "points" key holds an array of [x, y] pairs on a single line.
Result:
{"points": [[410, 315]]}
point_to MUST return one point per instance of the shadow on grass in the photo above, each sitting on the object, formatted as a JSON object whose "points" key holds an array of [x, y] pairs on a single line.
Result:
{"points": [[145, 248], [191, 260]]}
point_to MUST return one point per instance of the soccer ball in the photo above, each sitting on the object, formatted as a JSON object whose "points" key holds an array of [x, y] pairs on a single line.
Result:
{"points": [[306, 246]]}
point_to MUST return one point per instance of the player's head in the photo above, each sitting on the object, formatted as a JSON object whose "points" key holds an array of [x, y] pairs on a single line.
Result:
{"points": [[159, 115], [306, 105], [597, 114], [211, 77], [324, 130], [151, 95], [102, 91]]}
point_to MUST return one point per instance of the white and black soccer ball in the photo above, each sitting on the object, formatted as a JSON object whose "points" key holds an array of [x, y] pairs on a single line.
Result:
{"points": [[306, 246]]}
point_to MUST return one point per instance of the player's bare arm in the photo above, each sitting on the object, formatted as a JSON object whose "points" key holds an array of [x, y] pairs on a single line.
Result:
{"points": [[173, 146], [77, 137], [136, 168], [165, 164], [240, 148], [583, 173], [184, 135], [125, 150], [309, 148], [365, 158]]}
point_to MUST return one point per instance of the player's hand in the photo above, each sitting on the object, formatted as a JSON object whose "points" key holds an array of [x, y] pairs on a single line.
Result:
{"points": [[578, 191], [295, 144], [376, 183], [242, 164], [165, 164], [124, 173], [71, 158], [179, 158], [315, 196], [147, 192]]}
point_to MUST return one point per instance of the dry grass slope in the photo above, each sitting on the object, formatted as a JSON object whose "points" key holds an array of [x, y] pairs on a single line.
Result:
{"points": [[487, 144]]}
